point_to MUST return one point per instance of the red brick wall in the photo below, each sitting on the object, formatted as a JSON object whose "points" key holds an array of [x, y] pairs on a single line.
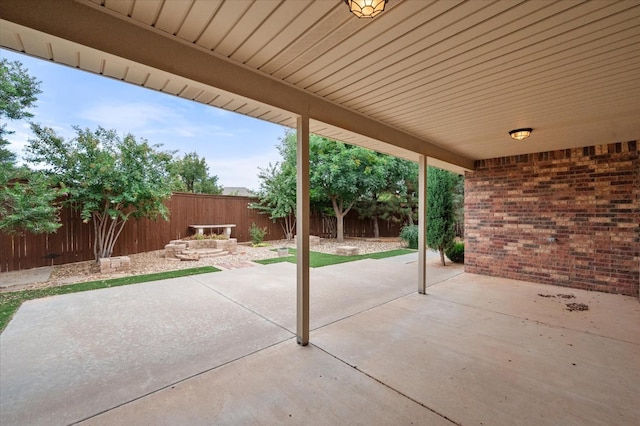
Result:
{"points": [[587, 199]]}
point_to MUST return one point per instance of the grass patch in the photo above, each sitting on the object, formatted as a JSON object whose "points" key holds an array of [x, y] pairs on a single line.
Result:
{"points": [[318, 260], [11, 301]]}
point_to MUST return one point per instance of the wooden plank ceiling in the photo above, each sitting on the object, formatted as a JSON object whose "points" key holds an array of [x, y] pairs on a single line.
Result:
{"points": [[456, 74]]}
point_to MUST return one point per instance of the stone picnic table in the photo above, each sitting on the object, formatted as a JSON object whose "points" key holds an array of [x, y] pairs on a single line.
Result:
{"points": [[200, 228]]}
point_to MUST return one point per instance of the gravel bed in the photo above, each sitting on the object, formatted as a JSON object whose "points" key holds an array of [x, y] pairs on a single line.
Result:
{"points": [[154, 261]]}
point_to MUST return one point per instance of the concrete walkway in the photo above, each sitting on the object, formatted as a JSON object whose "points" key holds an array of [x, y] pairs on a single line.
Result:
{"points": [[220, 349], [17, 279]]}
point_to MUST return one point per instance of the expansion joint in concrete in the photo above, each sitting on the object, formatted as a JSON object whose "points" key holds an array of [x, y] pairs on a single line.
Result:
{"points": [[173, 384], [243, 306], [386, 385]]}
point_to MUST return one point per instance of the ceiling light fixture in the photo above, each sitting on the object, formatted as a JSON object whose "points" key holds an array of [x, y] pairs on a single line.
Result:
{"points": [[520, 134], [366, 8]]}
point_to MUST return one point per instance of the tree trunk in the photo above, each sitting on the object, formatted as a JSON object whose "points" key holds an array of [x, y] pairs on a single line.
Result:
{"points": [[339, 227], [340, 214], [442, 256], [288, 224], [410, 217], [376, 227], [106, 233]]}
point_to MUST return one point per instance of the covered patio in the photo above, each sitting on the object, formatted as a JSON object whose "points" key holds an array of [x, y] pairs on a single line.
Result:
{"points": [[219, 349], [440, 83]]}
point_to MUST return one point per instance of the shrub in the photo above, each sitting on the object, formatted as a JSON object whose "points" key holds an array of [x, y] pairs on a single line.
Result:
{"points": [[455, 252], [409, 234], [257, 233], [199, 237]]}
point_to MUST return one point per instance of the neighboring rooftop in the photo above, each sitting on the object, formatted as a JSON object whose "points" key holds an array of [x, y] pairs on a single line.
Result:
{"points": [[239, 191]]}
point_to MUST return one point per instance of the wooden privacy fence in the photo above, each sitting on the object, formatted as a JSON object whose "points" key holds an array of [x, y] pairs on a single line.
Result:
{"points": [[73, 242]]}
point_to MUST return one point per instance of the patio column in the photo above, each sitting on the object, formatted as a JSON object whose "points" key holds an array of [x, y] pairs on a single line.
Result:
{"points": [[303, 211], [422, 224]]}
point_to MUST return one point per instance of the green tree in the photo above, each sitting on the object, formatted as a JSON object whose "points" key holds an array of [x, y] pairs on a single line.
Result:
{"points": [[440, 212], [277, 193], [397, 199], [458, 204], [18, 93], [7, 157], [28, 200], [407, 198], [343, 174], [193, 172], [377, 200], [340, 176], [109, 179]]}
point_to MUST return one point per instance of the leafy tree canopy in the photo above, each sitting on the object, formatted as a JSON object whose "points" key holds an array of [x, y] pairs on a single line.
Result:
{"points": [[18, 93], [397, 199], [28, 201], [343, 174], [109, 179], [193, 172]]}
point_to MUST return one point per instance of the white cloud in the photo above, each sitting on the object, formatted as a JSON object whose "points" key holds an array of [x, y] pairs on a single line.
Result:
{"points": [[130, 117], [241, 171], [157, 122]]}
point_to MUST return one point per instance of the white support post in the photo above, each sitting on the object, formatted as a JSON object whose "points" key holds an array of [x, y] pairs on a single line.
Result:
{"points": [[303, 213], [422, 225]]}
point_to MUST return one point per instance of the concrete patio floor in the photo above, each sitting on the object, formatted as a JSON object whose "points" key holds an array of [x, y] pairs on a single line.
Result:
{"points": [[220, 349]]}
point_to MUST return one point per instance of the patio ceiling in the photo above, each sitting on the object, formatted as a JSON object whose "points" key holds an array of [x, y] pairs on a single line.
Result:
{"points": [[447, 79]]}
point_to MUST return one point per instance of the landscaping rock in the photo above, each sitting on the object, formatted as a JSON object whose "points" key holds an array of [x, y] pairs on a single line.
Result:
{"points": [[283, 252], [174, 248], [110, 265], [188, 256], [313, 239], [347, 250]]}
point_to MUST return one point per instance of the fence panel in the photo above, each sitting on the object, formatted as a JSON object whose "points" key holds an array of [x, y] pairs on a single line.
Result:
{"points": [[73, 242]]}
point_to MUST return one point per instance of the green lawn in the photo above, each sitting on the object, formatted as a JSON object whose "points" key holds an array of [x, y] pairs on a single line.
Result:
{"points": [[11, 301], [317, 260]]}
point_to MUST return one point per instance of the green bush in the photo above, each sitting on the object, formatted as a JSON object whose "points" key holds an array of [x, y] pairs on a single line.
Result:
{"points": [[199, 237], [257, 234], [455, 252], [409, 234]]}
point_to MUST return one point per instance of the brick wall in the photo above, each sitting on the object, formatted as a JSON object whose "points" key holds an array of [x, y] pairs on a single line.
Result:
{"points": [[568, 217]]}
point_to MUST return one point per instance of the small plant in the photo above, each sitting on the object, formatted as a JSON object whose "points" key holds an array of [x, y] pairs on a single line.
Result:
{"points": [[455, 252], [199, 237], [257, 234], [409, 234]]}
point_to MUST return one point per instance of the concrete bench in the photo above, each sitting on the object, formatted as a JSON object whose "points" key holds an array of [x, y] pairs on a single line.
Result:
{"points": [[200, 228]]}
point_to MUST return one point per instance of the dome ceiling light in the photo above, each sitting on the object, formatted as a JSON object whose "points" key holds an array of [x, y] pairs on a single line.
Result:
{"points": [[366, 8], [520, 134]]}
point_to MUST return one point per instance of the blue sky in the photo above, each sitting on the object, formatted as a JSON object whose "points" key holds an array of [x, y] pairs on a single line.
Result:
{"points": [[233, 145]]}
